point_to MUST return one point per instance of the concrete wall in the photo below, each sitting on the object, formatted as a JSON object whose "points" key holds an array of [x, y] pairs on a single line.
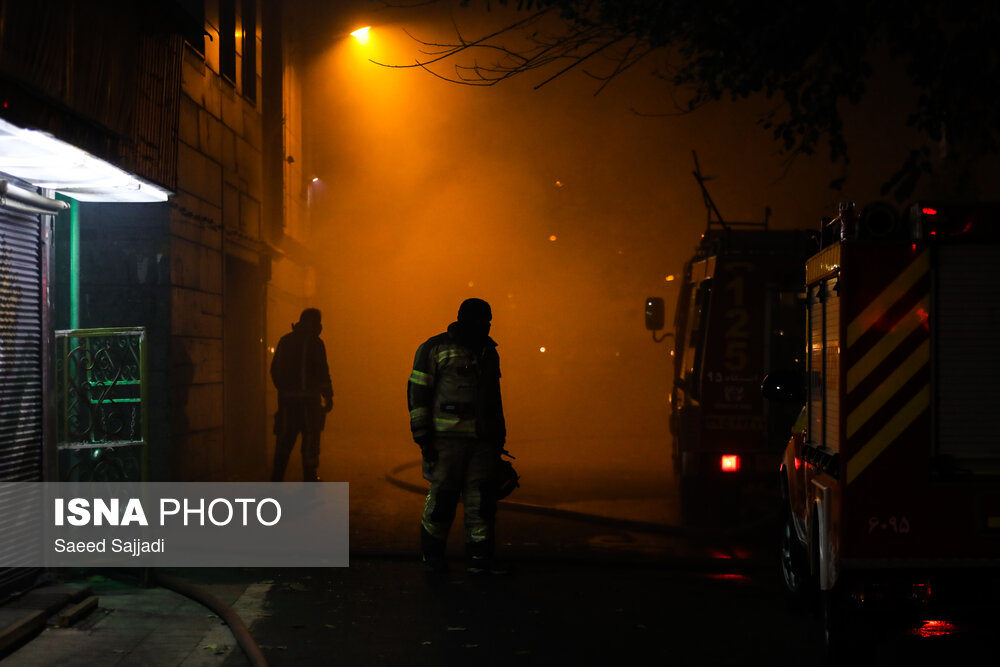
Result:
{"points": [[293, 278], [227, 261], [215, 218]]}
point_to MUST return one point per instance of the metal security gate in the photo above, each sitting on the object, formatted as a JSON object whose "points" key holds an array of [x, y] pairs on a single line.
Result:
{"points": [[102, 417], [24, 321]]}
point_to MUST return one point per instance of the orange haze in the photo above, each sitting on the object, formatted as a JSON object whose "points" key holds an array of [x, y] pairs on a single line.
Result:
{"points": [[431, 192]]}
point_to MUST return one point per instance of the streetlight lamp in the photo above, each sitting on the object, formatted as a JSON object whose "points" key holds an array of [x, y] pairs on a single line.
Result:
{"points": [[361, 34]]}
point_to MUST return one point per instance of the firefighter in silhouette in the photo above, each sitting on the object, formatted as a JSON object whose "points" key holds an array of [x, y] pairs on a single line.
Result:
{"points": [[305, 394], [456, 417]]}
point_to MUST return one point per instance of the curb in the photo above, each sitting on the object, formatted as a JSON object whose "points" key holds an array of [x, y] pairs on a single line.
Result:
{"points": [[27, 615]]}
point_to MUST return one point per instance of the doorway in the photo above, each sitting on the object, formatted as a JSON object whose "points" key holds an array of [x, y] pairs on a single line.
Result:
{"points": [[244, 372]]}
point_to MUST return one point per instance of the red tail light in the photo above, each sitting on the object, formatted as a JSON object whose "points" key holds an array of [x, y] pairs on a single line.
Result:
{"points": [[934, 629], [730, 463]]}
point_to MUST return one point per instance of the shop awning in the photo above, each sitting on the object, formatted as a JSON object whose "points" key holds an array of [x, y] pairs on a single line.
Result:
{"points": [[47, 162]]}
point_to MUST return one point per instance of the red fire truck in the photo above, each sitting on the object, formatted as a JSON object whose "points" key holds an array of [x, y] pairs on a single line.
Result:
{"points": [[891, 478], [738, 314]]}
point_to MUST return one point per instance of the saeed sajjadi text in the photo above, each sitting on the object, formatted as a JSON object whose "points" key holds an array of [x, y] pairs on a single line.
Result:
{"points": [[134, 548]]}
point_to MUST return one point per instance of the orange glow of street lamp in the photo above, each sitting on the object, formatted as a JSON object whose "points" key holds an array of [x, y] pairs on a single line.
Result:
{"points": [[361, 34]]}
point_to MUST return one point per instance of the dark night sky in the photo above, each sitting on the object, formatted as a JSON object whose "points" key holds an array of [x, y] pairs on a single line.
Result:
{"points": [[432, 192]]}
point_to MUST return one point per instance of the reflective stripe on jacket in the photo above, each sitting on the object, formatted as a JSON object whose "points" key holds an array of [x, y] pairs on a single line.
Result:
{"points": [[454, 390]]}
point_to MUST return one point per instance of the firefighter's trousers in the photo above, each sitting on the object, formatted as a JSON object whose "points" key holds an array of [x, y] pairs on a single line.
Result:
{"points": [[465, 469], [294, 418]]}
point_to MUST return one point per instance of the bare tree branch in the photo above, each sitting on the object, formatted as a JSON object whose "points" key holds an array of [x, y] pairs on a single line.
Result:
{"points": [[733, 49], [450, 50]]}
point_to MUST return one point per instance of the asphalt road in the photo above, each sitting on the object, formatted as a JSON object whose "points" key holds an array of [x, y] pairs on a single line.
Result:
{"points": [[548, 613], [605, 578], [604, 575]]}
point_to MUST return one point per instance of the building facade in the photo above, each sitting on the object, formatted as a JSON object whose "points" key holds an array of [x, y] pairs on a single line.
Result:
{"points": [[192, 104]]}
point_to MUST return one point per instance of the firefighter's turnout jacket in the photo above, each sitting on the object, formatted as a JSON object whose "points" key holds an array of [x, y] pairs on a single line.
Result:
{"points": [[454, 390]]}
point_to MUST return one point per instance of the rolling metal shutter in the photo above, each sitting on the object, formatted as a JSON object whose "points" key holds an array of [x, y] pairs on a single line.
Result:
{"points": [[23, 322], [20, 347], [20, 373]]}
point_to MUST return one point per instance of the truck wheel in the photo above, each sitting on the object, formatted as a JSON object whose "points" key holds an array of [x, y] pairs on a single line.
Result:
{"points": [[792, 559]]}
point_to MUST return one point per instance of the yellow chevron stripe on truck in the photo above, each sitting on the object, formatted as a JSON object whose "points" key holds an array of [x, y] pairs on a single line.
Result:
{"points": [[893, 379], [893, 428], [888, 297], [889, 342], [874, 402]]}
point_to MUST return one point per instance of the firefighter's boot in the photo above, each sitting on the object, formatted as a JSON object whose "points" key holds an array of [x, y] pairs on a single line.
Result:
{"points": [[479, 559], [432, 552]]}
